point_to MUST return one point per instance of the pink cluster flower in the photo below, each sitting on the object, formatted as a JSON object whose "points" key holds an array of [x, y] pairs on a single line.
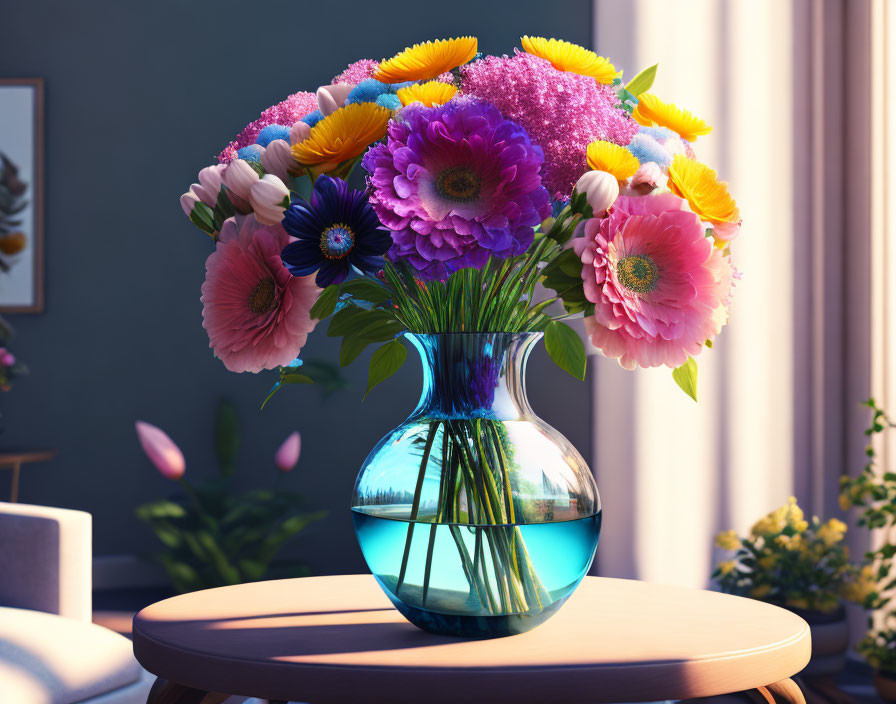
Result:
{"points": [[660, 288], [562, 112], [357, 72], [7, 358], [287, 112]]}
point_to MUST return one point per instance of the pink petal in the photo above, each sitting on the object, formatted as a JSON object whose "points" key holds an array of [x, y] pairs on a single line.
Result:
{"points": [[288, 455], [161, 450]]}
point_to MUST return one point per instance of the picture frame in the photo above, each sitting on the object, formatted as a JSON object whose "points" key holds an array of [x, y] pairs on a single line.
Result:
{"points": [[21, 195]]}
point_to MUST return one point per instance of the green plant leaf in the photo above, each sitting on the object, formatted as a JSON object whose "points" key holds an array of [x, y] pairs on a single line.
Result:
{"points": [[203, 217], [351, 348], [223, 209], [326, 302], [686, 377], [643, 81], [566, 348], [384, 363], [366, 290]]}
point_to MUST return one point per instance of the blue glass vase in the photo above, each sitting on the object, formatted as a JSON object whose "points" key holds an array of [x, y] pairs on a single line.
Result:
{"points": [[476, 517]]}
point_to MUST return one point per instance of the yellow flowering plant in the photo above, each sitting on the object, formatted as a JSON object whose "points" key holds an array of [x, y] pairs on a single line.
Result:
{"points": [[790, 561], [874, 492]]}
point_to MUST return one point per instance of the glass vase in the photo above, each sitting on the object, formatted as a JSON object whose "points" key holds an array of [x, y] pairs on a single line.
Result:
{"points": [[475, 516]]}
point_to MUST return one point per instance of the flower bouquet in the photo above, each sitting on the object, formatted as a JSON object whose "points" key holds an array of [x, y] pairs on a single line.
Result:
{"points": [[502, 195]]}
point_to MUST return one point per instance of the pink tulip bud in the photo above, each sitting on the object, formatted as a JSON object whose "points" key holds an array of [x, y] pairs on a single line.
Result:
{"points": [[7, 359], [269, 198], [209, 185], [725, 231], [288, 455], [648, 177], [601, 190], [161, 450], [188, 201], [331, 98], [277, 159], [299, 132], [238, 179]]}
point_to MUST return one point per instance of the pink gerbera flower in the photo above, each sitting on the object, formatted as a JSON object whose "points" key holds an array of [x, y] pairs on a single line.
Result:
{"points": [[659, 287], [256, 313]]}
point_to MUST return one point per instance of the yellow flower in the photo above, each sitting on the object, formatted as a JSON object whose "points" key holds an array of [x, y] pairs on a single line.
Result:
{"points": [[430, 93], [791, 542], [728, 540], [566, 56], [609, 157], [343, 135], [768, 562], [845, 502], [860, 588], [831, 532], [794, 515], [798, 602], [761, 591], [769, 525], [726, 567], [652, 111], [428, 60], [699, 185]]}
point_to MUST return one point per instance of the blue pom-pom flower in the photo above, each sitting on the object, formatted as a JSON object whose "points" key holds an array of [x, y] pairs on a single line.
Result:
{"points": [[270, 133]]}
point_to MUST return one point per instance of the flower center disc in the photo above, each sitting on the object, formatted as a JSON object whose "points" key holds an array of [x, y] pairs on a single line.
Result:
{"points": [[336, 241], [637, 273], [262, 298], [459, 184]]}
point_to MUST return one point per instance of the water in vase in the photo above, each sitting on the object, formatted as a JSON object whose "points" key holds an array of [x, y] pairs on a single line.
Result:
{"points": [[454, 578]]}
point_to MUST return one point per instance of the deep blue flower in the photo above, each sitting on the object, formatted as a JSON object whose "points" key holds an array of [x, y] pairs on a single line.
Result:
{"points": [[336, 230], [270, 133]]}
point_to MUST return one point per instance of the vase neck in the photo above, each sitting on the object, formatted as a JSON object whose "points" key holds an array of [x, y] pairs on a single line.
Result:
{"points": [[474, 375]]}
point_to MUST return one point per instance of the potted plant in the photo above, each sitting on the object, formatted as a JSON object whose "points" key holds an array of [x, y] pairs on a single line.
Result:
{"points": [[801, 566], [214, 533], [874, 492]]}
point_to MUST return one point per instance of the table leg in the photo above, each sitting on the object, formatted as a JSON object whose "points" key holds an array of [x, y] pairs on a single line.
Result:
{"points": [[165, 692], [14, 489], [783, 692]]}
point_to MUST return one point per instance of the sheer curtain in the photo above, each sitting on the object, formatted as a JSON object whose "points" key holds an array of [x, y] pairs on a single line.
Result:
{"points": [[779, 392]]}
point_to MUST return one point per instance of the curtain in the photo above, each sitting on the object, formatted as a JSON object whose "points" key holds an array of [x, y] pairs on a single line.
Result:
{"points": [[779, 393]]}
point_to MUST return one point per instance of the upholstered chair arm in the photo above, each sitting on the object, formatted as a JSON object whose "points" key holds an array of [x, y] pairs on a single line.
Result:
{"points": [[45, 560]]}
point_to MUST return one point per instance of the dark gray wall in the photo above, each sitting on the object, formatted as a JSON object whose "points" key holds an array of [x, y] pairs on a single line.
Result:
{"points": [[140, 96]]}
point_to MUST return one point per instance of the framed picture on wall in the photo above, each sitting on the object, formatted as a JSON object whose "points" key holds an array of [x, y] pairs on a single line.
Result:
{"points": [[21, 195]]}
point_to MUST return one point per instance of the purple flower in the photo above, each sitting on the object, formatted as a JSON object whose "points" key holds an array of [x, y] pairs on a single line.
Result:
{"points": [[456, 184]]}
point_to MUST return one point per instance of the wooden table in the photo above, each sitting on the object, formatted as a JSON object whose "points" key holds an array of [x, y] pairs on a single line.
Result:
{"points": [[337, 639], [15, 460]]}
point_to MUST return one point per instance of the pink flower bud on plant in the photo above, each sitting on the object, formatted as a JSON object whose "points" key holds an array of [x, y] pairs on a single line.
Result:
{"points": [[601, 190], [238, 179], [269, 198], [331, 98], [648, 178], [7, 359], [277, 159], [299, 132], [188, 201], [288, 455], [210, 184], [161, 450]]}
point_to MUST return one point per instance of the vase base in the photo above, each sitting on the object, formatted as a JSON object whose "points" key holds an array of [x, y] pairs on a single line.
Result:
{"points": [[470, 626]]}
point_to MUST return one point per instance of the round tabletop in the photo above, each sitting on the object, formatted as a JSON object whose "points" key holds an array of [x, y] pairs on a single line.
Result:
{"points": [[338, 639]]}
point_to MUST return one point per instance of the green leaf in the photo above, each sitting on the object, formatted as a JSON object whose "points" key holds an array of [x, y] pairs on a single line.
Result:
{"points": [[384, 363], [326, 302], [351, 348], [223, 209], [347, 320], [227, 437], [366, 290], [566, 348], [686, 377], [203, 217], [296, 378], [643, 81]]}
